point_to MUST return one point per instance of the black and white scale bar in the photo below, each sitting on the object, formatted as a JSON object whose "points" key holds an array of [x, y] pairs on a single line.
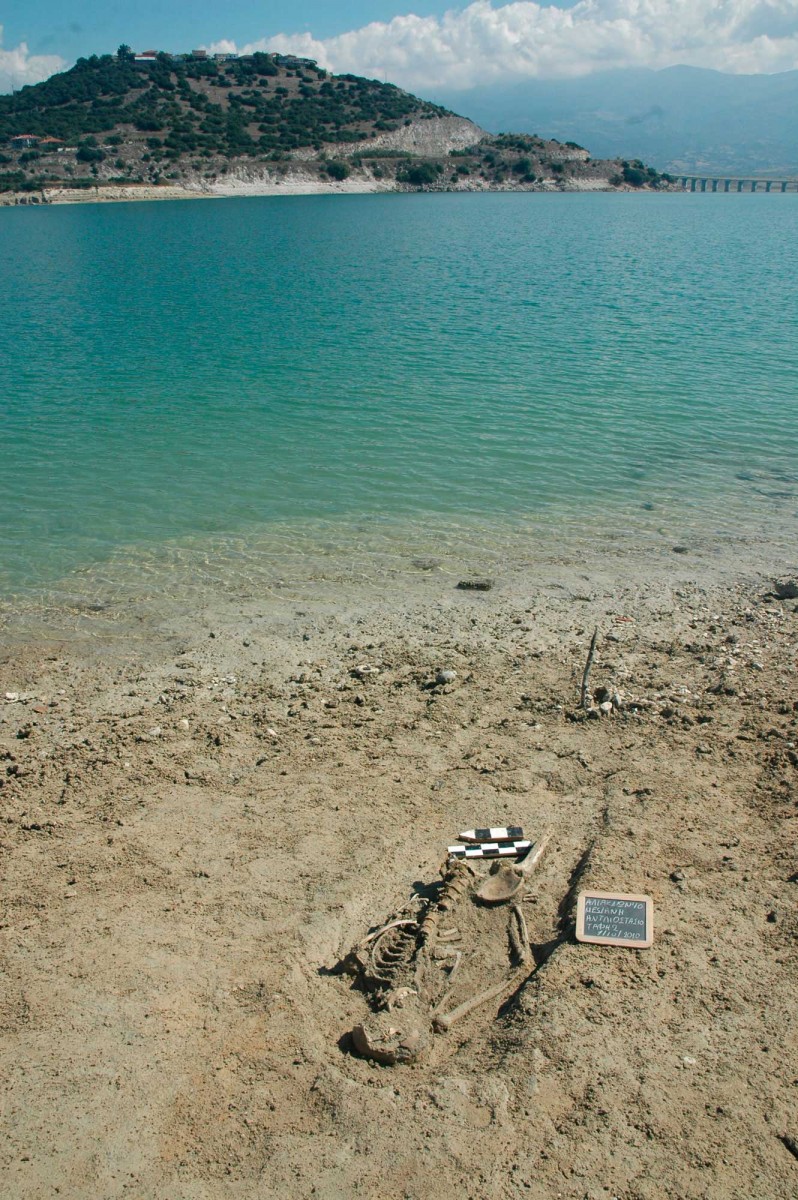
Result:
{"points": [[491, 850], [504, 833]]}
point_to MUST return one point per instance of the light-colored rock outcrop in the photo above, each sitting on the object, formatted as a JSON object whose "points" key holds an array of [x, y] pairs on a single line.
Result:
{"points": [[427, 137]]}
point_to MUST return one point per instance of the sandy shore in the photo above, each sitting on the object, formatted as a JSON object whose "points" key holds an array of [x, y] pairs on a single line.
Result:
{"points": [[197, 831], [296, 184]]}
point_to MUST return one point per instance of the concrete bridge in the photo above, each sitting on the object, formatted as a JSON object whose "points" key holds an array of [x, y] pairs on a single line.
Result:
{"points": [[735, 183]]}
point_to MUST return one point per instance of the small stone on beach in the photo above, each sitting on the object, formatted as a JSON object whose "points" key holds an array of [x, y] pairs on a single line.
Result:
{"points": [[786, 589], [364, 671], [475, 585]]}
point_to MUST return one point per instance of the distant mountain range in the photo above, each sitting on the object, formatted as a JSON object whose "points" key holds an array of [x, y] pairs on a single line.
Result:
{"points": [[679, 119]]}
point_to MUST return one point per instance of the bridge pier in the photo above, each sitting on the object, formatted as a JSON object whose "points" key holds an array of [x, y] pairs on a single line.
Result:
{"points": [[734, 183]]}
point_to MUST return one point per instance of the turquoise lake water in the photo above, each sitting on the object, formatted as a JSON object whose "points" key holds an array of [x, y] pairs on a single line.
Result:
{"points": [[208, 373]]}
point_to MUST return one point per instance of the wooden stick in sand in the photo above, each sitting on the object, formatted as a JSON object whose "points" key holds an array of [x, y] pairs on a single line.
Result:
{"points": [[586, 675]]}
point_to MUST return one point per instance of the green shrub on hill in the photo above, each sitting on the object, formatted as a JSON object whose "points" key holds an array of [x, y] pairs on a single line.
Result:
{"points": [[420, 175], [637, 174], [338, 170], [89, 154], [196, 105]]}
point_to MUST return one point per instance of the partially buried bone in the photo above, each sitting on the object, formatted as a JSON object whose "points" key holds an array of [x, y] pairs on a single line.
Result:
{"points": [[444, 1021], [457, 878], [385, 1041], [519, 936], [384, 956], [370, 937], [399, 997], [508, 878], [501, 886], [528, 863]]}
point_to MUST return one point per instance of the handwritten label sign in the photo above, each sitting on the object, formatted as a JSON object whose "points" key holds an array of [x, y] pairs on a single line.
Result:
{"points": [[613, 919]]}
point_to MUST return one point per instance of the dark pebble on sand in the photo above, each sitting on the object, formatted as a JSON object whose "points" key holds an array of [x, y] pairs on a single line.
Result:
{"points": [[475, 585]]}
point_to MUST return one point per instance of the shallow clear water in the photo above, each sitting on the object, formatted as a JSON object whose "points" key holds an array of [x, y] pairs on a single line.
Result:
{"points": [[233, 376]]}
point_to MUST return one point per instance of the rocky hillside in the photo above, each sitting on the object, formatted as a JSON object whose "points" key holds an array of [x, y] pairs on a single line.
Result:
{"points": [[200, 122]]}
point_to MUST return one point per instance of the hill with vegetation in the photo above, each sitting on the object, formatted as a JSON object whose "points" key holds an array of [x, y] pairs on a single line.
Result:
{"points": [[194, 120]]}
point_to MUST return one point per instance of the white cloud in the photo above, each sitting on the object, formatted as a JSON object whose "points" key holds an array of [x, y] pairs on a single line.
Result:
{"points": [[483, 44], [19, 66]]}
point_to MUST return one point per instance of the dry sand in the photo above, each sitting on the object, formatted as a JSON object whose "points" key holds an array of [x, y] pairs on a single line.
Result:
{"points": [[196, 831]]}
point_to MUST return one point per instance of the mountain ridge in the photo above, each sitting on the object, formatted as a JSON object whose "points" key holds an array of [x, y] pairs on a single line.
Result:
{"points": [[681, 119]]}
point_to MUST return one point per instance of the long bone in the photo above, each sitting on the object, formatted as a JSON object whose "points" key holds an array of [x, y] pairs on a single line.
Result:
{"points": [[444, 1021], [519, 935]]}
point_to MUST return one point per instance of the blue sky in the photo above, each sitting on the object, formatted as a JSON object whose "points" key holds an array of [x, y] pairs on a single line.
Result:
{"points": [[96, 26], [416, 43]]}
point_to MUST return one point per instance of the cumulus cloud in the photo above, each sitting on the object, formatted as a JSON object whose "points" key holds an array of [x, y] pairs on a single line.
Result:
{"points": [[19, 66], [483, 43]]}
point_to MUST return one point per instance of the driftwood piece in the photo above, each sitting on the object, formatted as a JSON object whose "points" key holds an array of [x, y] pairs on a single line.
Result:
{"points": [[586, 674]]}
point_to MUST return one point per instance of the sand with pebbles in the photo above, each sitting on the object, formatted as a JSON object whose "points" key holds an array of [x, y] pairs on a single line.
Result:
{"points": [[198, 827]]}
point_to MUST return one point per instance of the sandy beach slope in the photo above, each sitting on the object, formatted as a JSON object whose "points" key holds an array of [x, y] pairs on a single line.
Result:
{"points": [[193, 838]]}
